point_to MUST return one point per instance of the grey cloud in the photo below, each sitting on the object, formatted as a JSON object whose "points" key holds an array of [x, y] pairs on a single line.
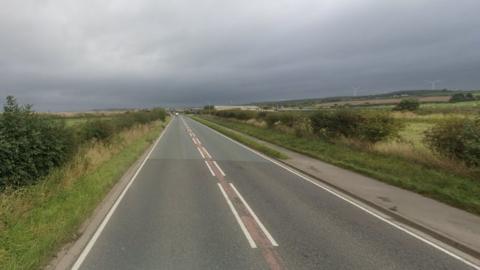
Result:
{"points": [[74, 55]]}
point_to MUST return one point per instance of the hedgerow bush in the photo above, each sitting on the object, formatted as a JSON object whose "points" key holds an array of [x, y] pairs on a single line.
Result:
{"points": [[104, 129], [101, 130], [299, 122], [457, 139], [236, 114], [32, 144], [408, 104], [271, 119], [369, 126]]}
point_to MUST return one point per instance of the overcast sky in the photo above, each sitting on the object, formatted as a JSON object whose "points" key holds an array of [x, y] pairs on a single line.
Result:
{"points": [[75, 55]]}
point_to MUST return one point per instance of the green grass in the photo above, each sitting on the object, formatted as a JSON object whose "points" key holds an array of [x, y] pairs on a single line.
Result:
{"points": [[442, 185], [468, 107], [414, 132], [466, 104], [37, 220], [74, 121], [251, 143]]}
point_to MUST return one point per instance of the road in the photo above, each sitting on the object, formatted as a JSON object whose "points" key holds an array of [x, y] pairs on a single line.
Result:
{"points": [[202, 201]]}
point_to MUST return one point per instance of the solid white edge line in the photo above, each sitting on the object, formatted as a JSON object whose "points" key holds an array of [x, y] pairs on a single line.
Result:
{"points": [[100, 228], [206, 152], [265, 231], [237, 217], [200, 151], [210, 168], [218, 167], [316, 183]]}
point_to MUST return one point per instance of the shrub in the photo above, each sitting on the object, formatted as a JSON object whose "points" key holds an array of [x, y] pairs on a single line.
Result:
{"points": [[271, 119], [236, 114], [288, 119], [459, 97], [30, 144], [335, 123], [303, 127], [377, 126], [457, 139], [369, 126], [104, 129], [285, 118], [261, 115], [409, 104], [98, 129]]}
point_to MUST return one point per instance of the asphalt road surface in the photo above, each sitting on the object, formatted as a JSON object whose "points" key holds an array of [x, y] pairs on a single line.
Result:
{"points": [[202, 201]]}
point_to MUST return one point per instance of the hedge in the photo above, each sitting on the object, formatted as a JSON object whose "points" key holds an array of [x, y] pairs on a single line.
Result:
{"points": [[32, 144]]}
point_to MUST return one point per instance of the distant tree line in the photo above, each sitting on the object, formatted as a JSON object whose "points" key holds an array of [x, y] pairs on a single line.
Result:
{"points": [[459, 97]]}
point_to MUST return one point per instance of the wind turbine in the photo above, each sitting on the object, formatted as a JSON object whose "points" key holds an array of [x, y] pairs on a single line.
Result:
{"points": [[434, 84]]}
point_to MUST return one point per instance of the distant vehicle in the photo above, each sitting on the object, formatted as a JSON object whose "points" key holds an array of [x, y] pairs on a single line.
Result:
{"points": [[176, 113]]}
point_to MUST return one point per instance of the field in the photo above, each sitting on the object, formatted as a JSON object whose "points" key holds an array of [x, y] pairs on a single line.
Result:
{"points": [[382, 101]]}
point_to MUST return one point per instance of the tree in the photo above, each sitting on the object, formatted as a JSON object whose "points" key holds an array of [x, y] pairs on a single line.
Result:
{"points": [[459, 97], [409, 104]]}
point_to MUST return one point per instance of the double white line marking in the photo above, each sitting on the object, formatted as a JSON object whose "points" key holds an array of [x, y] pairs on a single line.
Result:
{"points": [[218, 167], [260, 224], [248, 221], [210, 168], [237, 217]]}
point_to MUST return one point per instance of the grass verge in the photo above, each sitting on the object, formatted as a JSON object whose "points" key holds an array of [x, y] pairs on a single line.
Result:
{"points": [[442, 185], [251, 143], [37, 220]]}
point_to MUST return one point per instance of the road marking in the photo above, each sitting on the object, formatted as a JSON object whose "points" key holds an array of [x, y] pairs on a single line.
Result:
{"points": [[218, 167], [237, 217], [260, 224], [206, 152], [210, 168], [203, 156], [250, 224], [356, 204], [100, 228], [197, 141]]}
